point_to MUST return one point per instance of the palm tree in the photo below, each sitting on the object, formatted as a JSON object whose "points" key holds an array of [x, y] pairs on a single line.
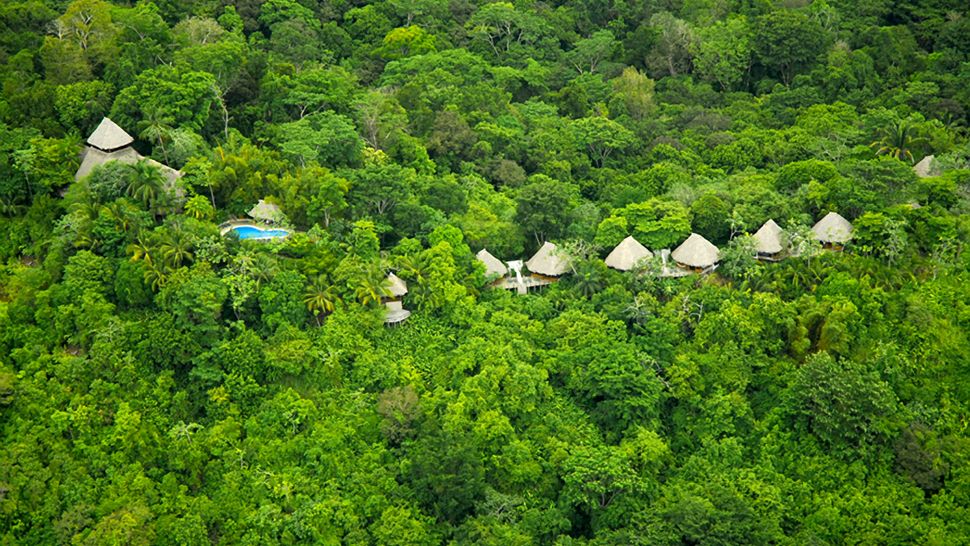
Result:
{"points": [[140, 250], [898, 139], [320, 298], [120, 212], [155, 275], [588, 278], [638, 311], [157, 127], [9, 207], [147, 184], [176, 248], [373, 286], [199, 208]]}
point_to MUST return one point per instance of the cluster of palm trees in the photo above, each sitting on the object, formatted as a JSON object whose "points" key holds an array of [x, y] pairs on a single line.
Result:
{"points": [[367, 284], [163, 253]]}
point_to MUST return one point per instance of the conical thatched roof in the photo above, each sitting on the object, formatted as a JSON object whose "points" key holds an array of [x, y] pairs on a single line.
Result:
{"points": [[493, 266], [396, 286], [626, 254], [266, 211], [108, 136], [925, 168], [832, 229], [696, 251], [546, 261], [768, 238]]}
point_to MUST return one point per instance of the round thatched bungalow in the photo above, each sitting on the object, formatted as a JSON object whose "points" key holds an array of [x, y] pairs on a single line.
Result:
{"points": [[833, 230], [697, 254], [494, 268], [627, 254], [547, 261], [769, 241]]}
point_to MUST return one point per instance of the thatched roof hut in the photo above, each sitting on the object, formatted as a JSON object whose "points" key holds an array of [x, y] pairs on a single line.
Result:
{"points": [[493, 266], [547, 261], [926, 167], [627, 254], [833, 228], [93, 157], [108, 137], [696, 252], [768, 239], [396, 286], [267, 212]]}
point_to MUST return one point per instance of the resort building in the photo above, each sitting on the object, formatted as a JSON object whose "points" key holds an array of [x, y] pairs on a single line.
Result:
{"points": [[547, 262], [494, 268], [769, 241], [109, 142], [395, 312], [696, 254], [628, 254], [833, 231]]}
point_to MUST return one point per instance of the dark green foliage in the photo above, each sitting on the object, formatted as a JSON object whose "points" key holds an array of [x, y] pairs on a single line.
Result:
{"points": [[842, 403]]}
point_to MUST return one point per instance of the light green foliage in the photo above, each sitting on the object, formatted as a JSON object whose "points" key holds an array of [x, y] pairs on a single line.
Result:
{"points": [[280, 301], [722, 52], [406, 41], [738, 258], [327, 138], [656, 223], [671, 55], [505, 31], [880, 235], [81, 105], [543, 207], [611, 231], [635, 92], [600, 137]]}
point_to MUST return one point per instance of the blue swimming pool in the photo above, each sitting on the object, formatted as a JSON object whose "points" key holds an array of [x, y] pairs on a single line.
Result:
{"points": [[253, 232]]}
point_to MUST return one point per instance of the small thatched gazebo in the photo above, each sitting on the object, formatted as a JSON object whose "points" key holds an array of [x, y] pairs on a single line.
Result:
{"points": [[768, 241], [493, 266], [833, 230], [547, 262], [926, 167], [396, 286], [395, 312], [696, 253], [627, 254], [266, 212]]}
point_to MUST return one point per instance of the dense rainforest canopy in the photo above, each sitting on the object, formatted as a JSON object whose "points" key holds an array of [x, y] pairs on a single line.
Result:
{"points": [[161, 383]]}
